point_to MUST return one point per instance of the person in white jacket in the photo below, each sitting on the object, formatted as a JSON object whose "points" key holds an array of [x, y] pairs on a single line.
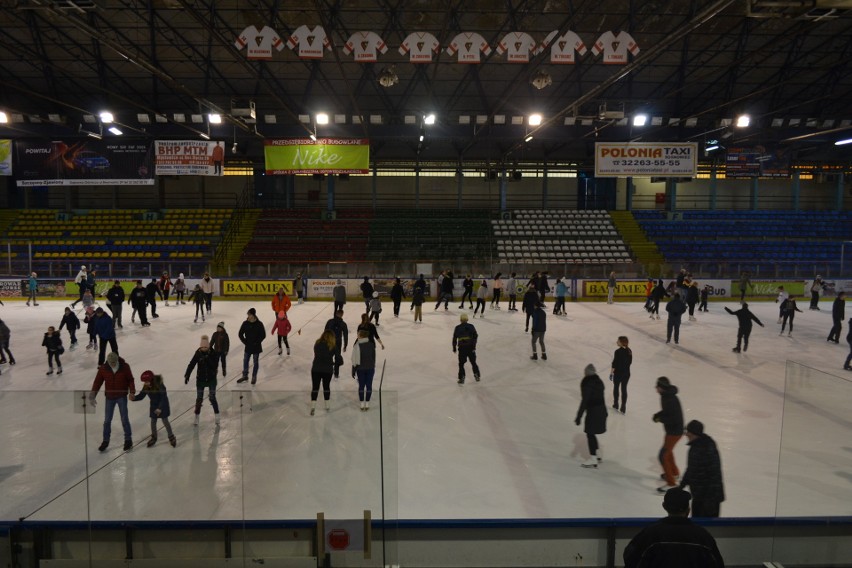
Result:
{"points": [[481, 294], [80, 281], [207, 289]]}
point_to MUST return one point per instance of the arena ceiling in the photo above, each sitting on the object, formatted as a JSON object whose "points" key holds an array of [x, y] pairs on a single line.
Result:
{"points": [[158, 65]]}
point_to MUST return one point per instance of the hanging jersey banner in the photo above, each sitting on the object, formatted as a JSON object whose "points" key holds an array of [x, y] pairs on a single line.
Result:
{"points": [[645, 159], [188, 157], [259, 43], [324, 156], [5, 157], [517, 46], [83, 162], [419, 46], [563, 47], [468, 45], [615, 47], [310, 42], [365, 45]]}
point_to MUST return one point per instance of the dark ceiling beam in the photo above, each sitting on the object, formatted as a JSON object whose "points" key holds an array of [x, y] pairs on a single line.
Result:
{"points": [[420, 74], [38, 40]]}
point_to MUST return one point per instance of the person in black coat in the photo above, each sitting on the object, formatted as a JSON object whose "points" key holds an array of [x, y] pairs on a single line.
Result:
{"points": [[674, 540], [675, 308], [788, 313], [252, 333], [155, 390], [528, 304], [367, 292], [838, 314], [671, 416], [467, 284], [397, 294], [206, 361], [692, 298], [703, 472], [542, 286], [445, 294], [152, 290], [341, 336], [53, 343], [115, 300], [325, 362], [539, 328], [464, 341], [620, 372], [593, 405], [70, 320], [657, 294], [745, 318]]}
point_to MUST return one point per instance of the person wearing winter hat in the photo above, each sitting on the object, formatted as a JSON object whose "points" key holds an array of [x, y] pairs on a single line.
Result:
{"points": [[138, 298], [152, 290], [205, 378], [155, 390], [220, 343], [282, 327], [117, 379], [671, 416], [703, 472], [593, 405], [251, 334], [53, 343], [180, 289], [367, 292], [464, 341], [89, 320], [539, 328], [375, 308]]}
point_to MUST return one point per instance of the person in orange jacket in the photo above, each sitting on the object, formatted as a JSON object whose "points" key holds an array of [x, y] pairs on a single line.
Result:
{"points": [[281, 302]]}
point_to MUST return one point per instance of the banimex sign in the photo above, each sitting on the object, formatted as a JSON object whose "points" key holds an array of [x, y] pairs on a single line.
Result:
{"points": [[646, 159], [255, 287]]}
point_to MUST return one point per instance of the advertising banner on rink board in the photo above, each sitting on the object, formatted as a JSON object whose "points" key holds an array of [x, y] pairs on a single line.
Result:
{"points": [[5, 157], [287, 156], [646, 159], [189, 157], [262, 288], [116, 161], [626, 289]]}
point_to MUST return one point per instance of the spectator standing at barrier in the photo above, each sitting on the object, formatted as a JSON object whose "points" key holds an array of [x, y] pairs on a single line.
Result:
{"points": [[159, 409], [397, 294], [692, 298], [198, 297], [593, 405], [115, 300], [467, 286], [703, 473], [53, 343], [180, 289], [151, 293], [339, 294], [325, 361], [72, 322], [106, 334], [497, 286], [789, 309], [512, 287], [782, 295], [341, 339], [417, 299], [32, 288], [838, 314], [619, 373], [367, 293], [559, 305], [745, 282], [610, 287], [364, 367], [675, 308], [5, 335], [539, 328], [745, 318], [80, 281], [117, 379], [674, 540], [464, 341], [165, 286], [220, 343], [671, 417], [528, 304], [481, 294], [251, 334], [816, 288], [206, 363], [207, 289], [281, 302], [299, 287]]}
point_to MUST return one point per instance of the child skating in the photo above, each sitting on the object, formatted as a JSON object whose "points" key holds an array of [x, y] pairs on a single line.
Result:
{"points": [[155, 390], [282, 327], [89, 320], [53, 343], [72, 322], [375, 308], [197, 297]]}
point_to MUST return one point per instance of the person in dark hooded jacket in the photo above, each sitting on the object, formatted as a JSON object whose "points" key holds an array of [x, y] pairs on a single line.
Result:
{"points": [[703, 472], [657, 294], [745, 318], [207, 362], [445, 294], [152, 290], [593, 405], [675, 308], [367, 291], [671, 416]]}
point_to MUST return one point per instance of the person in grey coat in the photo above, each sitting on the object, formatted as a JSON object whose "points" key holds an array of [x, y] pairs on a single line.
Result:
{"points": [[339, 293], [593, 405]]}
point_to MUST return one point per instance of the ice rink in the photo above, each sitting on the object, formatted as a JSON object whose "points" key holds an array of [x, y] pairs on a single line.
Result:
{"points": [[505, 447]]}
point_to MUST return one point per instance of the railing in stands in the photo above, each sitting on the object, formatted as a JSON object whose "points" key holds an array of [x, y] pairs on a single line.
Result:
{"points": [[245, 201]]}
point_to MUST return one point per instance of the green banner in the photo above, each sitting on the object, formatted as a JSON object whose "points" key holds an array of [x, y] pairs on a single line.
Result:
{"points": [[322, 156]]}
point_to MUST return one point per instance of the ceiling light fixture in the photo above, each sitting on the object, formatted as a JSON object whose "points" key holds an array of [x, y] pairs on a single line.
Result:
{"points": [[843, 142], [322, 118], [535, 119], [421, 138], [640, 119], [204, 135], [743, 121], [528, 138], [115, 131], [214, 118], [314, 137], [429, 119], [4, 118], [106, 117], [711, 148]]}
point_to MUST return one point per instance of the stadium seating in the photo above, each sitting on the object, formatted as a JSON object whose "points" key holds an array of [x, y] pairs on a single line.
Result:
{"points": [[430, 234]]}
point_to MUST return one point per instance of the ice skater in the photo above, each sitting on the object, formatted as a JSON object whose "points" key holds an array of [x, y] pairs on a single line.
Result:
{"points": [[745, 282], [80, 281], [372, 332], [207, 289], [5, 354], [324, 364], [299, 287], [611, 285], [593, 405], [220, 343], [165, 285], [155, 390], [838, 314], [705, 293], [251, 334], [671, 416], [816, 288], [72, 322], [417, 299], [539, 328], [782, 295], [788, 309], [497, 287], [464, 341], [703, 473], [467, 286], [619, 373], [115, 301], [32, 288], [375, 308], [280, 302], [198, 298], [106, 334], [657, 294], [848, 340], [675, 308], [180, 289], [559, 305], [206, 363], [364, 367], [89, 320], [282, 327], [338, 327], [152, 290], [138, 298], [481, 294], [692, 298], [339, 294], [397, 295], [745, 318], [528, 304], [53, 343], [445, 291], [117, 379], [367, 293], [512, 287]]}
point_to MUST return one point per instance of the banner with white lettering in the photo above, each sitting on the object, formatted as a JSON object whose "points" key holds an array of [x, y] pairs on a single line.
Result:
{"points": [[189, 157], [646, 159], [87, 161], [5, 157], [288, 156]]}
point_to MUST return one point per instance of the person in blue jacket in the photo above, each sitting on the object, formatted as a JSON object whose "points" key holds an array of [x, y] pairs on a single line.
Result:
{"points": [[155, 390], [32, 288], [561, 290], [106, 333]]}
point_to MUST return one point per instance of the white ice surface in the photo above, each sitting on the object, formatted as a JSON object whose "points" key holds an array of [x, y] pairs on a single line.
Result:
{"points": [[506, 447]]}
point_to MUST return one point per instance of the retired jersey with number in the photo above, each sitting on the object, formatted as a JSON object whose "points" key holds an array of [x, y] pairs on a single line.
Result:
{"points": [[310, 41], [615, 47], [563, 47], [259, 44], [419, 46], [518, 45], [365, 45], [468, 45]]}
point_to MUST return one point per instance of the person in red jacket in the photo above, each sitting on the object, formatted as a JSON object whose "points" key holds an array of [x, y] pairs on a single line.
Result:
{"points": [[282, 327], [281, 302], [120, 386]]}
